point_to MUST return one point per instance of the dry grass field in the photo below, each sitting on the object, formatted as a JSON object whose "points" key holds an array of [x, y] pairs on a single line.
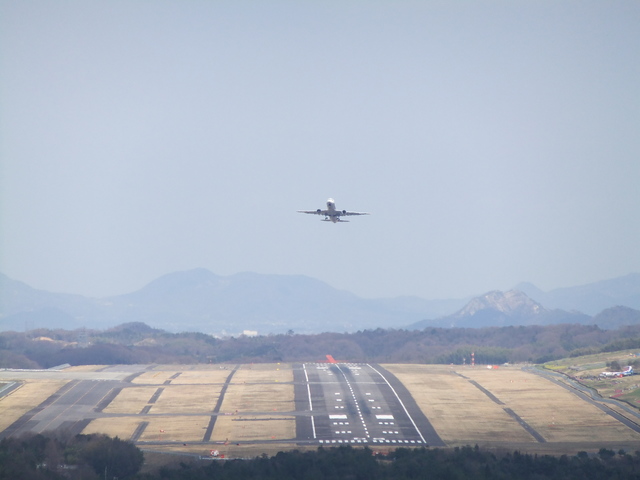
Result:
{"points": [[258, 397], [159, 429], [242, 428], [121, 427], [257, 389], [31, 394], [180, 399], [264, 373], [461, 415], [131, 400], [458, 410], [557, 414], [254, 407], [176, 428]]}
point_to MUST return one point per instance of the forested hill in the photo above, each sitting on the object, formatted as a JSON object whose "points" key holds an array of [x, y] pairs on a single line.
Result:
{"points": [[138, 343]]}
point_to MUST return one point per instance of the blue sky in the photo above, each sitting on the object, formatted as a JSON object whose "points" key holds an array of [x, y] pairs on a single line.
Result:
{"points": [[493, 142]]}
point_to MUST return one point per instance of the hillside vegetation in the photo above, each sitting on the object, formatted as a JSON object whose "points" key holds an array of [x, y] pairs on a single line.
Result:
{"points": [[587, 370], [138, 343]]}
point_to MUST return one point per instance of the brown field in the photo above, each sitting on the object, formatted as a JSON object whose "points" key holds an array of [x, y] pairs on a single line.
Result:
{"points": [[258, 397], [176, 429], [557, 414], [460, 414], [161, 428], [263, 373], [121, 427], [251, 427], [131, 400], [31, 394], [187, 399], [257, 389], [459, 411]]}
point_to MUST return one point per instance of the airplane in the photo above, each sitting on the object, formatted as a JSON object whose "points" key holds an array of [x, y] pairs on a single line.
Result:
{"points": [[626, 372], [331, 214]]}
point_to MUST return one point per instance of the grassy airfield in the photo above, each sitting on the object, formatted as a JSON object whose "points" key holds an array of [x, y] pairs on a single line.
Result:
{"points": [[177, 408]]}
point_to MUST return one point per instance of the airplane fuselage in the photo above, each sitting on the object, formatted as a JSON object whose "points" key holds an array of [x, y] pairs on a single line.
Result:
{"points": [[331, 214]]}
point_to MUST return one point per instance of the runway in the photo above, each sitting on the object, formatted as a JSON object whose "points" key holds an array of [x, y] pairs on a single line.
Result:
{"points": [[74, 405], [359, 403], [334, 404], [70, 408]]}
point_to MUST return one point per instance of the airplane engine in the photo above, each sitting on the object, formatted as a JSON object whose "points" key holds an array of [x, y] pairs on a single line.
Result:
{"points": [[344, 212], [318, 211]]}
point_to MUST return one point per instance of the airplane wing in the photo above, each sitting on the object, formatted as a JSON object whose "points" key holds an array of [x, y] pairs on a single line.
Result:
{"points": [[315, 212], [354, 213]]}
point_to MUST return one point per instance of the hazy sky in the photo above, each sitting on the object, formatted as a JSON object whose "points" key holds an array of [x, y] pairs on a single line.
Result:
{"points": [[493, 142]]}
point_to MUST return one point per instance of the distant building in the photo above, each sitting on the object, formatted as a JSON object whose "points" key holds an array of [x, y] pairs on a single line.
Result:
{"points": [[250, 333]]}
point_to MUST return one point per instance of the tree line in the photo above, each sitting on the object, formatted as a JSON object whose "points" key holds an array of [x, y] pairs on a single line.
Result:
{"points": [[347, 463], [93, 457], [139, 343], [62, 456]]}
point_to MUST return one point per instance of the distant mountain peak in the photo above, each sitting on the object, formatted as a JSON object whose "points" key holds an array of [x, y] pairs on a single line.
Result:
{"points": [[511, 303], [181, 280]]}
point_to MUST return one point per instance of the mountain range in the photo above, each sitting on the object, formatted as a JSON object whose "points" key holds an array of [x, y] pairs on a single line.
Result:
{"points": [[199, 300]]}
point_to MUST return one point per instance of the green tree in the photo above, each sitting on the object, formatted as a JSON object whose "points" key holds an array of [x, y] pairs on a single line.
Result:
{"points": [[112, 457]]}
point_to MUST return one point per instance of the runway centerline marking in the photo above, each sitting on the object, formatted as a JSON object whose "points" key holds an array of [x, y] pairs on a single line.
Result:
{"points": [[355, 400]]}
